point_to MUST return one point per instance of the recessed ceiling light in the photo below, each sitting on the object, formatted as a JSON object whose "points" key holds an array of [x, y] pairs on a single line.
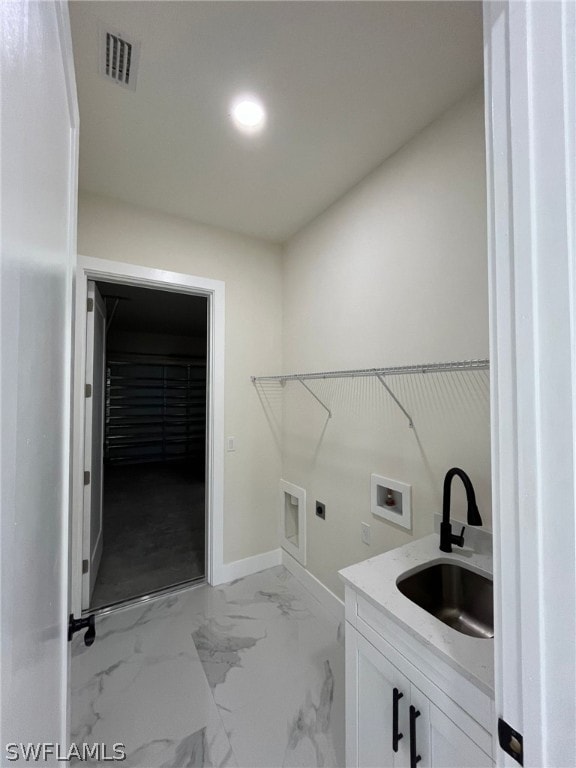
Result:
{"points": [[248, 114]]}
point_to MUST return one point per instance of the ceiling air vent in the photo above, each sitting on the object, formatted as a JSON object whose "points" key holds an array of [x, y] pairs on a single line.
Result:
{"points": [[119, 58]]}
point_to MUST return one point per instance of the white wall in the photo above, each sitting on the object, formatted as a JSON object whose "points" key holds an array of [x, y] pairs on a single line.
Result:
{"points": [[394, 273], [251, 269]]}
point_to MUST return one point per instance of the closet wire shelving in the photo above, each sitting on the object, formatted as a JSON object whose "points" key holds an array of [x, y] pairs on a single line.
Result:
{"points": [[378, 373], [154, 411]]}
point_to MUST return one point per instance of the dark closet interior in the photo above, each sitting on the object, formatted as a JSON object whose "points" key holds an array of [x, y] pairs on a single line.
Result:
{"points": [[154, 442]]}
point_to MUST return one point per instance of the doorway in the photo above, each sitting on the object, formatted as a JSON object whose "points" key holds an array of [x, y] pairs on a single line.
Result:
{"points": [[146, 506], [149, 519]]}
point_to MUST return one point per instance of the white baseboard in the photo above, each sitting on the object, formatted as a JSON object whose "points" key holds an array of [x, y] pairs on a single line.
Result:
{"points": [[240, 568], [325, 596]]}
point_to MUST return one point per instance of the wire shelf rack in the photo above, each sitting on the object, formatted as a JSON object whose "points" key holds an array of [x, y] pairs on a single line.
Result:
{"points": [[381, 374]]}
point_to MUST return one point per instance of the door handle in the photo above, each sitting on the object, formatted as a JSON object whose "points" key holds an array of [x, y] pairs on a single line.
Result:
{"points": [[414, 758], [76, 625], [396, 696]]}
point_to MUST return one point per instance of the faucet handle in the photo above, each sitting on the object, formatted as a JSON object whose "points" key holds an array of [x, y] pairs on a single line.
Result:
{"points": [[459, 540]]}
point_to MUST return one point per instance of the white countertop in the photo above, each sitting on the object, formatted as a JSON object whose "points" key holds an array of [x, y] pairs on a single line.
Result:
{"points": [[375, 579]]}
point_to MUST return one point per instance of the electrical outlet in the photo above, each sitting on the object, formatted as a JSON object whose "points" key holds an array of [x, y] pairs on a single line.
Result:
{"points": [[365, 533]]}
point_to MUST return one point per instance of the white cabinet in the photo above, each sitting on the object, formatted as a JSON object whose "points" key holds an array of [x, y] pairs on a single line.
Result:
{"points": [[392, 723], [450, 747], [377, 711]]}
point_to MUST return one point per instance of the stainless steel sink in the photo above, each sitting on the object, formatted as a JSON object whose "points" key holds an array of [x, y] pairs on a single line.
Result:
{"points": [[456, 595]]}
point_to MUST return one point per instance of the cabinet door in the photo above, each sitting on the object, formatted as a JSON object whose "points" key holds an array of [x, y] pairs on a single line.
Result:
{"points": [[375, 691], [450, 747]]}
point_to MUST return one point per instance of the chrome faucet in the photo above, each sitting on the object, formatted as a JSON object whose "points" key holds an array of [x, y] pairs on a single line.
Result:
{"points": [[447, 538]]}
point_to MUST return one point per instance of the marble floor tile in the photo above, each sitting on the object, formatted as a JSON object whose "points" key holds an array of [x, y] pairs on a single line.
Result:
{"points": [[250, 674], [276, 668]]}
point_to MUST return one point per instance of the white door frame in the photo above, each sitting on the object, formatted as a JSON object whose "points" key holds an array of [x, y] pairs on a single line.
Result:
{"points": [[530, 82], [214, 290]]}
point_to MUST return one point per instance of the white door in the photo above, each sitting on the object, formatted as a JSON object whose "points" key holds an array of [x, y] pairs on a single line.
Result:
{"points": [[530, 77], [93, 440], [38, 207]]}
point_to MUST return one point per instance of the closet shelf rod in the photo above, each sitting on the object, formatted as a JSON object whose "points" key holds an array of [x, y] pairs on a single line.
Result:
{"points": [[453, 367]]}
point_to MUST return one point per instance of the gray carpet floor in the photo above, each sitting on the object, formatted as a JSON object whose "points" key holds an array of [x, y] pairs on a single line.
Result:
{"points": [[153, 530]]}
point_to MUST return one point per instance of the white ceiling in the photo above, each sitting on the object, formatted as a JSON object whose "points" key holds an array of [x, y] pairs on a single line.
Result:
{"points": [[345, 85]]}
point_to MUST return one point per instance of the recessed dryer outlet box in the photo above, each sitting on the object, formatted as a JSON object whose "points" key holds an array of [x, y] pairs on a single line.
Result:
{"points": [[293, 520], [391, 500]]}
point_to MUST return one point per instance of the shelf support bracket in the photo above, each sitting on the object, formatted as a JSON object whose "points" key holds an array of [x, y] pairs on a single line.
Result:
{"points": [[315, 396], [110, 317], [393, 396]]}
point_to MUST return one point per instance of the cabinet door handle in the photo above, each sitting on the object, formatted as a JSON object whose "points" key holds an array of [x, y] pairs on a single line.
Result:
{"points": [[414, 758], [396, 696]]}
